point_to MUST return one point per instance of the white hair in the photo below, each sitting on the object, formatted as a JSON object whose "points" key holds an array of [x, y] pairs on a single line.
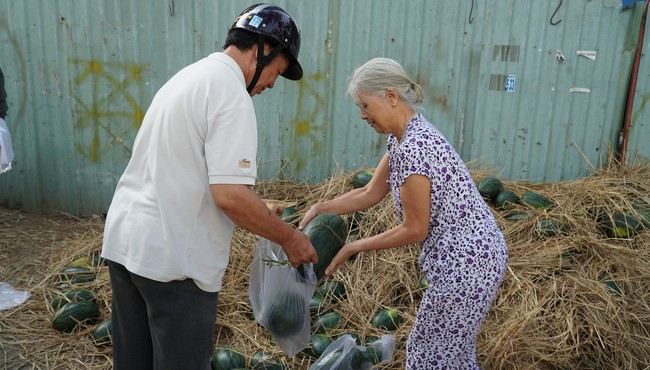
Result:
{"points": [[380, 74]]}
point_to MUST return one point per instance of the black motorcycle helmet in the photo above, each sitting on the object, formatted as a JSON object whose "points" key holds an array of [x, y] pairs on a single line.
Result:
{"points": [[270, 21]]}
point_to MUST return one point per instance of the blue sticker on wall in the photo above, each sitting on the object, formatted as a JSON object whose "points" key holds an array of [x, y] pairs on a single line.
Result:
{"points": [[510, 83], [255, 22]]}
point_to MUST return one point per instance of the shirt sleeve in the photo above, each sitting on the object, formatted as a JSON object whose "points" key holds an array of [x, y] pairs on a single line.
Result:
{"points": [[231, 147]]}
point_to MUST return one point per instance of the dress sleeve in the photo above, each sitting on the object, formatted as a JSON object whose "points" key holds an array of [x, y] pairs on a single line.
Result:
{"points": [[415, 158]]}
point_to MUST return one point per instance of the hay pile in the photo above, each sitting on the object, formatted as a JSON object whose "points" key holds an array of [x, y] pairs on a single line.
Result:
{"points": [[558, 307]]}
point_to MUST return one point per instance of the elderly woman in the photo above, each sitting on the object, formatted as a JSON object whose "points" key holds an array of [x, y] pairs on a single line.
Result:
{"points": [[462, 251]]}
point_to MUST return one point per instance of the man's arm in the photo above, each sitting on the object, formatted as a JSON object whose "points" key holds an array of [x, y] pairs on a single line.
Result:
{"points": [[245, 208]]}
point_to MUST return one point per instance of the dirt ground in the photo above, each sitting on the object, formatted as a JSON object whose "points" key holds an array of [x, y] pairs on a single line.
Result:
{"points": [[26, 239], [27, 243]]}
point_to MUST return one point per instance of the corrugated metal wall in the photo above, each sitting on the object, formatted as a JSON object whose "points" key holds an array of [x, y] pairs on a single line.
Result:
{"points": [[81, 73]]}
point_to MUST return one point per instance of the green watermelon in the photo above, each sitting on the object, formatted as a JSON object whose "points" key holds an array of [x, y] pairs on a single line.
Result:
{"points": [[620, 226], [331, 290], [327, 233], [326, 322], [490, 187], [372, 354], [387, 319], [516, 216], [74, 295], [356, 358], [73, 314], [289, 215], [361, 178], [102, 334], [506, 198], [316, 304], [549, 227], [266, 361], [318, 343], [537, 201], [613, 287], [285, 316], [78, 274], [227, 358]]}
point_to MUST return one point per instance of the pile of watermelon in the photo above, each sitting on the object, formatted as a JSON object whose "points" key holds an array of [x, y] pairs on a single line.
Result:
{"points": [[612, 224], [74, 304]]}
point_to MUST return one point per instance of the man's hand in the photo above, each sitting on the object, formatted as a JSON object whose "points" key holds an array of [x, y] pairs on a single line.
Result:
{"points": [[300, 250], [245, 208]]}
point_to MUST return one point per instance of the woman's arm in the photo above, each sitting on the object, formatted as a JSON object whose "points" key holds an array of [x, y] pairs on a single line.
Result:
{"points": [[416, 209], [354, 200]]}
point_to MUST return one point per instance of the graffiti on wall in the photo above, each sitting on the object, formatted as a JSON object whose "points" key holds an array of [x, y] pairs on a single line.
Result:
{"points": [[305, 123], [106, 113]]}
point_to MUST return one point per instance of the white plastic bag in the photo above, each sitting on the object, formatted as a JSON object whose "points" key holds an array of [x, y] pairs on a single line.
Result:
{"points": [[379, 352], [342, 354], [10, 297], [280, 296], [6, 148], [345, 354]]}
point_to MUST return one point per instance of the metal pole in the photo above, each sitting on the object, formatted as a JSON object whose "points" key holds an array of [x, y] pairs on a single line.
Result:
{"points": [[629, 104]]}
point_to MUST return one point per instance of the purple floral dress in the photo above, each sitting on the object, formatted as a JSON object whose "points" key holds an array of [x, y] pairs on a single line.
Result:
{"points": [[464, 256]]}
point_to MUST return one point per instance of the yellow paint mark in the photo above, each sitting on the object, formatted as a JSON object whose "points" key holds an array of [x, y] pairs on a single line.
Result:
{"points": [[94, 151], [138, 116], [135, 72], [318, 76], [96, 67], [300, 163], [302, 128], [104, 112], [308, 130]]}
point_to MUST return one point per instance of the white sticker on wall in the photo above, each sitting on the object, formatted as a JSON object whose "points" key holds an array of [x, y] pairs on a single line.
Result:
{"points": [[587, 54], [510, 83]]}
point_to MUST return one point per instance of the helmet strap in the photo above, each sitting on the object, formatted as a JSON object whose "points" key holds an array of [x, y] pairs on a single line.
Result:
{"points": [[262, 60]]}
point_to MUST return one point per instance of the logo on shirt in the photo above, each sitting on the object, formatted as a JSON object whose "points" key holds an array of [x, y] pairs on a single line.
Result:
{"points": [[244, 163]]}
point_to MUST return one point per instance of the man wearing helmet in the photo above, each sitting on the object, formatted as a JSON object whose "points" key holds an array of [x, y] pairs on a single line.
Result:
{"points": [[169, 226]]}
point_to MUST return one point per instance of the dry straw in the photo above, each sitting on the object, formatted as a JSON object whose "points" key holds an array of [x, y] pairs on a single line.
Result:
{"points": [[578, 300]]}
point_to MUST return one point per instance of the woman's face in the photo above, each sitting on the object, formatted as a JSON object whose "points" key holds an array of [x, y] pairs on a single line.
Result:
{"points": [[375, 111]]}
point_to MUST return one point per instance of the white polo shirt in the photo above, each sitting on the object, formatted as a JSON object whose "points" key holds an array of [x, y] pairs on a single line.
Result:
{"points": [[200, 129]]}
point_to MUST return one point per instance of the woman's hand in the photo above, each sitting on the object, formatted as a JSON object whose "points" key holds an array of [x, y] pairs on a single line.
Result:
{"points": [[312, 212], [342, 256]]}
